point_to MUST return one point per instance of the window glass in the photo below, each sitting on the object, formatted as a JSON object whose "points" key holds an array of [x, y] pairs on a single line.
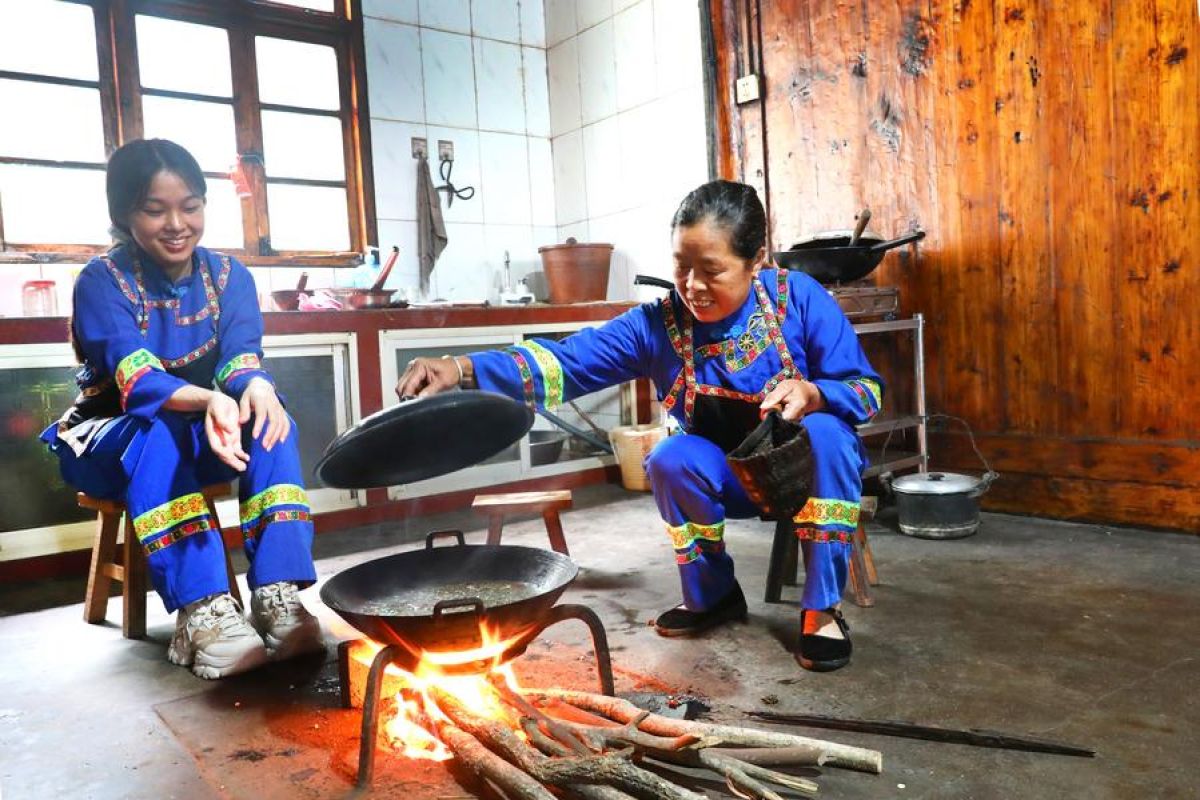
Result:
{"points": [[303, 146], [205, 129], [315, 5], [25, 45], [297, 74], [308, 218], [48, 204], [223, 216], [183, 57], [58, 123]]}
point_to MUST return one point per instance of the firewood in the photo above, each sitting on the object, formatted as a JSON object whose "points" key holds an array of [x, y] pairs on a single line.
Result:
{"points": [[837, 755], [552, 747], [613, 770]]}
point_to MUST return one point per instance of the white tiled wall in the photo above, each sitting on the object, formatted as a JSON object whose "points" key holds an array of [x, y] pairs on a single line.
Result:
{"points": [[472, 72], [627, 124]]}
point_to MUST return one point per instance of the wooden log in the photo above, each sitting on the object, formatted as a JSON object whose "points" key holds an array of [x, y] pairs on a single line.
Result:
{"points": [[776, 756], [838, 755]]}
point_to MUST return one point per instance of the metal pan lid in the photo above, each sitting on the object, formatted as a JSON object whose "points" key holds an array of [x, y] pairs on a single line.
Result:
{"points": [[935, 483], [423, 438]]}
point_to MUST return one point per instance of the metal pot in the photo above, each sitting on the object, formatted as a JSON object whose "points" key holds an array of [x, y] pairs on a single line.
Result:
{"points": [[939, 505]]}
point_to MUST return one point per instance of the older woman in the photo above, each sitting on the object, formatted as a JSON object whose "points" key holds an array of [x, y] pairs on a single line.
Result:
{"points": [[173, 396], [733, 341]]}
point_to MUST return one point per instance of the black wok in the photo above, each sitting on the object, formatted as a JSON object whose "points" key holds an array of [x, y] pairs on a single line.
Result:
{"points": [[831, 259], [422, 599]]}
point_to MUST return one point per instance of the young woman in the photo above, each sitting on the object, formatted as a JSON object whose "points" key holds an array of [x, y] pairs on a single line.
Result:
{"points": [[173, 396], [732, 341]]}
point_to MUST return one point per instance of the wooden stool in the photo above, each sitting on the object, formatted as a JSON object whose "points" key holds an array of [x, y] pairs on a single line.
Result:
{"points": [[548, 504], [131, 569], [784, 562]]}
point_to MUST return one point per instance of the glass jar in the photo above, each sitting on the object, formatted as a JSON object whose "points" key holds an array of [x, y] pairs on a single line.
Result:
{"points": [[38, 299]]}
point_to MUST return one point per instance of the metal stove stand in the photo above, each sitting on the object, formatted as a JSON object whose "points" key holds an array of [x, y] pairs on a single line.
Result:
{"points": [[404, 658]]}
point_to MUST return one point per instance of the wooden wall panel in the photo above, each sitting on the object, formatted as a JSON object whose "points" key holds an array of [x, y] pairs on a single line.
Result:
{"points": [[1051, 151]]}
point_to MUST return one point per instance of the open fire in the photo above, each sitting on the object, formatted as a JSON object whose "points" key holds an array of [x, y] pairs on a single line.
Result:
{"points": [[466, 705], [412, 692]]}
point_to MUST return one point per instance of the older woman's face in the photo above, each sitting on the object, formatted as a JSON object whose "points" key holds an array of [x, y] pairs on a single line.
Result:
{"points": [[713, 280]]}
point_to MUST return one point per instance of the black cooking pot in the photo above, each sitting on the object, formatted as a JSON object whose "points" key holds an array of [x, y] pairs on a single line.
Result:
{"points": [[830, 258], [436, 599]]}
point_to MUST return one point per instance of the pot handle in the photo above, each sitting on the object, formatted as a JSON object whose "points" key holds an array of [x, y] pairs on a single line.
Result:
{"points": [[989, 475], [909, 239], [473, 603], [985, 483], [429, 540]]}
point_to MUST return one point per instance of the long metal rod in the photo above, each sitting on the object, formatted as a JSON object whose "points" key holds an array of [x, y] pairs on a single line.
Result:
{"points": [[975, 736], [578, 432], [919, 368]]}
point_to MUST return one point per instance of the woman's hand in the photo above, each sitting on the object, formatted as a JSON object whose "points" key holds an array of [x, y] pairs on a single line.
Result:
{"points": [[425, 376], [793, 399], [224, 430], [260, 401]]}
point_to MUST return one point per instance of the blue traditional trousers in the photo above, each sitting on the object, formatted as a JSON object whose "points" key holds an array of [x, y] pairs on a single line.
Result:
{"points": [[696, 492], [158, 467]]}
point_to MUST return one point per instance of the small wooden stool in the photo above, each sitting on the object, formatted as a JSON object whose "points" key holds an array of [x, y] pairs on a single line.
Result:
{"points": [[784, 562], [548, 504], [131, 569]]}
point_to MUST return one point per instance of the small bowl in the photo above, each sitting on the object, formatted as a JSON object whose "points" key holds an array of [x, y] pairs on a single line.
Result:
{"points": [[287, 299]]}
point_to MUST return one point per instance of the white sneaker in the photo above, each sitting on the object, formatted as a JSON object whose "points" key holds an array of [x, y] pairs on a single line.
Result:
{"points": [[285, 625], [214, 639]]}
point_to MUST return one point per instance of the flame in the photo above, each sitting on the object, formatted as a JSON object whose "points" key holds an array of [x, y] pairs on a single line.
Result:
{"points": [[415, 702]]}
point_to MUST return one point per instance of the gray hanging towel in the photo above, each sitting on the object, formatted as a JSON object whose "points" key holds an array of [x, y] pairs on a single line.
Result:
{"points": [[431, 228]]}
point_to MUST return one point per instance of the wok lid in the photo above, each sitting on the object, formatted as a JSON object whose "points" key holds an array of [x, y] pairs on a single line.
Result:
{"points": [[423, 438]]}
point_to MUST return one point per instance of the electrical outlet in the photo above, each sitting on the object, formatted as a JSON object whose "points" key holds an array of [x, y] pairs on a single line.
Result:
{"points": [[445, 150], [746, 89]]}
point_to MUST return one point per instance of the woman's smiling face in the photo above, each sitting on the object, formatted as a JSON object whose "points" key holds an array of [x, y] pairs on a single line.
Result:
{"points": [[168, 224], [712, 280]]}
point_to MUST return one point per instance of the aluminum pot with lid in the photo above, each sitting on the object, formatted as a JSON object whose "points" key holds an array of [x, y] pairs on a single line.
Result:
{"points": [[939, 505]]}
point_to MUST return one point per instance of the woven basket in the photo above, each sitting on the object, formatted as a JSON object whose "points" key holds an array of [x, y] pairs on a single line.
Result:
{"points": [[774, 465], [632, 443]]}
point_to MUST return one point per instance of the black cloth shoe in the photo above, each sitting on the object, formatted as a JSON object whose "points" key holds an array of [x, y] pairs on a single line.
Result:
{"points": [[681, 622], [822, 653]]}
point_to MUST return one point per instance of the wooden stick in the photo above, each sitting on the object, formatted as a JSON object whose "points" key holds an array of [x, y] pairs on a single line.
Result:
{"points": [[775, 756], [837, 755]]}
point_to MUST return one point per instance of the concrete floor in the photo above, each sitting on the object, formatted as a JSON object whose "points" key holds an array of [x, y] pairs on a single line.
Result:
{"points": [[1073, 632]]}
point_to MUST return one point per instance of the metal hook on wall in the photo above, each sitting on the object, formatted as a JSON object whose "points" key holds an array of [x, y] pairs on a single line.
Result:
{"points": [[445, 169]]}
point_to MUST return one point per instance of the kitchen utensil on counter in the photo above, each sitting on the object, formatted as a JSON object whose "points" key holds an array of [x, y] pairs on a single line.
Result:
{"points": [[830, 258], [38, 299], [374, 297], [939, 505], [576, 272], [289, 299], [423, 438]]}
